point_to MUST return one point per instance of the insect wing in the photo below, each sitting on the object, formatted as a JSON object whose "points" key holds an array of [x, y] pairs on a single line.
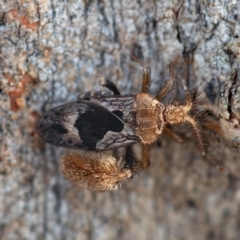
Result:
{"points": [[82, 124]]}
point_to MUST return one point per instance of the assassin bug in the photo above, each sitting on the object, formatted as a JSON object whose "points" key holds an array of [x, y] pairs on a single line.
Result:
{"points": [[97, 121]]}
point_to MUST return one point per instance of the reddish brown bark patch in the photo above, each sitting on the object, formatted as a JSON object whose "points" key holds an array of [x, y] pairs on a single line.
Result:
{"points": [[27, 24]]}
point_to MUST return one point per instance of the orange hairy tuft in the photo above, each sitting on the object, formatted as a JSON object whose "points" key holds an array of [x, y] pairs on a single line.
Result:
{"points": [[97, 172]]}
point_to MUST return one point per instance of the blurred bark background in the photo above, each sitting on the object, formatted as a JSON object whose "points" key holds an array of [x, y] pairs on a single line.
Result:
{"points": [[50, 51]]}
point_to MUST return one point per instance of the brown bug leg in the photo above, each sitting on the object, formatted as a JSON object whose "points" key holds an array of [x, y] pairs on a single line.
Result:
{"points": [[210, 160], [213, 126], [97, 172], [110, 85], [146, 75], [194, 124], [172, 135], [167, 86], [145, 156], [196, 129], [189, 119]]}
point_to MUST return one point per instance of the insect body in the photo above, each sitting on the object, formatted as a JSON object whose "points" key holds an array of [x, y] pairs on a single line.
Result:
{"points": [[97, 121]]}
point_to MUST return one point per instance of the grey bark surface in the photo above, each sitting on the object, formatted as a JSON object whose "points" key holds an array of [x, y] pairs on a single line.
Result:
{"points": [[51, 51]]}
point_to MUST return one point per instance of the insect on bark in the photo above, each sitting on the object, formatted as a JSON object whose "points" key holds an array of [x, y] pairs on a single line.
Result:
{"points": [[97, 121]]}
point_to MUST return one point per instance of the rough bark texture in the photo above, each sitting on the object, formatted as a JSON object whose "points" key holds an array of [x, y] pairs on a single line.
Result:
{"points": [[50, 51]]}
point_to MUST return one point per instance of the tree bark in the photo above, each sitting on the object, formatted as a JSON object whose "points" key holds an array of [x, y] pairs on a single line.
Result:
{"points": [[53, 50]]}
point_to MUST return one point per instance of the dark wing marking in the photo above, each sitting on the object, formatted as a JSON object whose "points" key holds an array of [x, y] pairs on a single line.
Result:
{"points": [[93, 124]]}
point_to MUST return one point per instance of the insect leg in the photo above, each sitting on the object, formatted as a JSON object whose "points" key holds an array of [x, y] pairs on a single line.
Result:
{"points": [[167, 86], [146, 75], [145, 156], [194, 124], [131, 162], [110, 85], [213, 126], [200, 142], [97, 172], [190, 119], [187, 94], [172, 135], [196, 129]]}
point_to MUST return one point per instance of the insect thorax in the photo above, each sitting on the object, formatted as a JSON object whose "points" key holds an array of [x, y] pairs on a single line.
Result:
{"points": [[149, 118]]}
